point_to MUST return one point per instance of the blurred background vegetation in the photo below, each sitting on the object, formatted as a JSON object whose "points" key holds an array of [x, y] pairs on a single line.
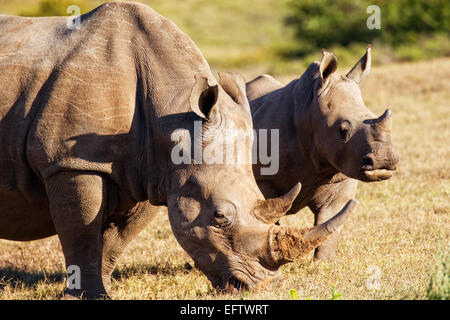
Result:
{"points": [[284, 36]]}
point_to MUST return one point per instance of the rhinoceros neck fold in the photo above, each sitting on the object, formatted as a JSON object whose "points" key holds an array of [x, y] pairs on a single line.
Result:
{"points": [[166, 65]]}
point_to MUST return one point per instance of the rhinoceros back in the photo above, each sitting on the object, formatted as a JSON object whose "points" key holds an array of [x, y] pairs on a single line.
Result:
{"points": [[70, 97]]}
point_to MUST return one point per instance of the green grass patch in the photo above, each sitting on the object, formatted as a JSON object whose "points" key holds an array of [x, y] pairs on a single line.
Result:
{"points": [[439, 287]]}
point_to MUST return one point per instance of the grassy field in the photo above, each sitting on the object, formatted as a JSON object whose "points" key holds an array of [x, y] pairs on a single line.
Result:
{"points": [[399, 225], [388, 248]]}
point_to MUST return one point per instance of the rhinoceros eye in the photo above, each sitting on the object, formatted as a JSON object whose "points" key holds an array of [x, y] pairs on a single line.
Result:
{"points": [[344, 130], [218, 214], [224, 214], [221, 219]]}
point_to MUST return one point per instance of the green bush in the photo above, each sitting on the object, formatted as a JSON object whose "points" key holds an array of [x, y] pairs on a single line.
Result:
{"points": [[325, 23]]}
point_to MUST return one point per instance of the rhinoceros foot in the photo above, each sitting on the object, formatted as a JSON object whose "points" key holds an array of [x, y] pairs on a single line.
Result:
{"points": [[77, 295], [326, 254]]}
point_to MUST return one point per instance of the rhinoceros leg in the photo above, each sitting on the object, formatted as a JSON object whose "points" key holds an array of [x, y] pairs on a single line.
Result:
{"points": [[77, 202], [328, 201], [120, 232]]}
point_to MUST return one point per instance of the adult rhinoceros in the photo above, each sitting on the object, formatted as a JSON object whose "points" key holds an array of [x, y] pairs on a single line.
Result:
{"points": [[328, 138], [88, 112]]}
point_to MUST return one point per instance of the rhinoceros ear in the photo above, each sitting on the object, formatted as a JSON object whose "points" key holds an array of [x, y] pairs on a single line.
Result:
{"points": [[203, 99], [234, 85], [362, 68], [328, 65]]}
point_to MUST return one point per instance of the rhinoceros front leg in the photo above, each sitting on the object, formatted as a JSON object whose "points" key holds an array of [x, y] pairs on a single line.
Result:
{"points": [[120, 232], [77, 204], [327, 202]]}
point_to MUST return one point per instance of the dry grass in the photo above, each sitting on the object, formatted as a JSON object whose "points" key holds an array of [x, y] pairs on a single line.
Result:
{"points": [[396, 229]]}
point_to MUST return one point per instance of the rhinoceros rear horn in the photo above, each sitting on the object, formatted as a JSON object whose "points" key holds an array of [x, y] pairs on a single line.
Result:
{"points": [[362, 68], [203, 99], [271, 210], [289, 244]]}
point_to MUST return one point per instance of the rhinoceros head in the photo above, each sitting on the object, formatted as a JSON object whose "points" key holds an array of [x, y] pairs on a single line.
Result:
{"points": [[351, 138], [216, 210]]}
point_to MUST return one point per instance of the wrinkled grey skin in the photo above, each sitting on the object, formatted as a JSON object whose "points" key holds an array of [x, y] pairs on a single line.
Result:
{"points": [[86, 117], [328, 138]]}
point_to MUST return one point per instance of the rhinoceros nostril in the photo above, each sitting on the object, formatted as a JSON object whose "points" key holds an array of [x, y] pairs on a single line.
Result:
{"points": [[367, 163]]}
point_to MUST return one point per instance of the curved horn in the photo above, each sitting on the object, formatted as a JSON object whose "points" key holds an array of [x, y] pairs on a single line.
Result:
{"points": [[271, 210], [362, 68], [289, 244], [385, 120]]}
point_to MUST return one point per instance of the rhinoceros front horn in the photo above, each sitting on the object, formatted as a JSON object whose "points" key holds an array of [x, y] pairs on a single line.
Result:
{"points": [[289, 244], [271, 210], [385, 120]]}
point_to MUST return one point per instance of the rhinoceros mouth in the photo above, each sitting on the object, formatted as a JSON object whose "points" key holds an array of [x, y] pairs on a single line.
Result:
{"points": [[377, 174], [234, 285], [241, 282]]}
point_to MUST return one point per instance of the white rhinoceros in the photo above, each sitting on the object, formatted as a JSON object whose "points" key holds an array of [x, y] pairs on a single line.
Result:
{"points": [[88, 113], [328, 139]]}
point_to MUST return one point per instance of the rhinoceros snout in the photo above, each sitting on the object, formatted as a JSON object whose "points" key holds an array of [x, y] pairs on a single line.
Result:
{"points": [[379, 168], [380, 160]]}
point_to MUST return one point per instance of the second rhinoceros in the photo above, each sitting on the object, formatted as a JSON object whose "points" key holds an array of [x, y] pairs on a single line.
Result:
{"points": [[328, 139]]}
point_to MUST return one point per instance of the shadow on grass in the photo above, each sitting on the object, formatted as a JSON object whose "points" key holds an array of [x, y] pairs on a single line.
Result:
{"points": [[129, 271], [29, 279], [11, 276]]}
